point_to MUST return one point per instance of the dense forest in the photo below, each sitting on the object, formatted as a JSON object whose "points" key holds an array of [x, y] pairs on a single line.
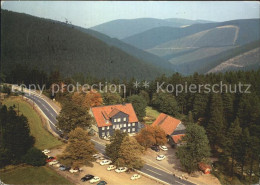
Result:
{"points": [[231, 120], [50, 45]]}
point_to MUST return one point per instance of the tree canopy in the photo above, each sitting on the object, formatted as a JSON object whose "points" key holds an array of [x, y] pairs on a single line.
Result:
{"points": [[79, 150], [196, 148]]}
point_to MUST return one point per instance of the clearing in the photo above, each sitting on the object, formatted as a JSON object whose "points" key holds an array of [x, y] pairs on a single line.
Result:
{"points": [[151, 115], [43, 139], [31, 175]]}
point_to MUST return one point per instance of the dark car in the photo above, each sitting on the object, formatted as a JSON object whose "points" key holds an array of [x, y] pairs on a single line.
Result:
{"points": [[155, 148], [102, 183], [87, 177], [49, 159], [64, 168]]}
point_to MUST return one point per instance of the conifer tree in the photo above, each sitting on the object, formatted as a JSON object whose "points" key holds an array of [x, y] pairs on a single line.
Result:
{"points": [[215, 127], [196, 148]]}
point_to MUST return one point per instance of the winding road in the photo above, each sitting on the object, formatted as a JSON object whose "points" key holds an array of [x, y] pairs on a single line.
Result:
{"points": [[51, 114]]}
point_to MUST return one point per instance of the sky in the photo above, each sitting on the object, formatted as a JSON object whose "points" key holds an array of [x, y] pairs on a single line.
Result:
{"points": [[91, 13]]}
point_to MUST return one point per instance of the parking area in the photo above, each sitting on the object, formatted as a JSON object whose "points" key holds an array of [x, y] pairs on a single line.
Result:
{"points": [[171, 164], [111, 177]]}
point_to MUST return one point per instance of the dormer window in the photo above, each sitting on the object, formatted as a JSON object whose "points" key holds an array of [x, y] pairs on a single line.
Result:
{"points": [[107, 122]]}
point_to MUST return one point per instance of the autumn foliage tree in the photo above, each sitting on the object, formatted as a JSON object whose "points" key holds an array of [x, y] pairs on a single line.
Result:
{"points": [[87, 100], [151, 135], [93, 98], [130, 154], [79, 150]]}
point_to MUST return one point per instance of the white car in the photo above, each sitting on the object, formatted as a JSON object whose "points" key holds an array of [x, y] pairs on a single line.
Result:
{"points": [[163, 148], [105, 162], [53, 162], [96, 156], [111, 167], [94, 179], [46, 151], [121, 169], [57, 165], [160, 157], [135, 176], [100, 159], [73, 170]]}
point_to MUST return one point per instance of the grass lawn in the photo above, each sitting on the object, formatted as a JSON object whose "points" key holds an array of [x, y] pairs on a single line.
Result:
{"points": [[43, 139], [151, 115], [32, 175]]}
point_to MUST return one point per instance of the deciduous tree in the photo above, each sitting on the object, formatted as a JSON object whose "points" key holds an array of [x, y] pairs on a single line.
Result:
{"points": [[139, 105], [165, 103], [79, 150], [111, 98], [72, 116], [112, 149], [130, 154], [150, 135]]}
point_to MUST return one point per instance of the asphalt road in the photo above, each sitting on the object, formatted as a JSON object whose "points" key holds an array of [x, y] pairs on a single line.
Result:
{"points": [[147, 169]]}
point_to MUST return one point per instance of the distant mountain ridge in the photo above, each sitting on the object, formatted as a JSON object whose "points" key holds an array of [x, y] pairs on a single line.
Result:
{"points": [[156, 36], [123, 28], [192, 47]]}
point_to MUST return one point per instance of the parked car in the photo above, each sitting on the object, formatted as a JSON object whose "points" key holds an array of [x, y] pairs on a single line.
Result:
{"points": [[49, 159], [94, 179], [75, 170], [155, 148], [57, 165], [160, 157], [102, 183], [53, 162], [111, 167], [105, 162], [64, 168], [164, 148], [107, 138], [121, 169], [135, 176], [46, 151], [100, 159], [96, 156], [86, 178]]}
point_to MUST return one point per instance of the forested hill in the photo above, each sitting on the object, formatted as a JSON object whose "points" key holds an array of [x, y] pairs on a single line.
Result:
{"points": [[48, 45]]}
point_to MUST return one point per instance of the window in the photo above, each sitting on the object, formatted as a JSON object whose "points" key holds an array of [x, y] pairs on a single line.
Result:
{"points": [[120, 125], [125, 125], [119, 119], [114, 126], [103, 133], [124, 118], [129, 130], [124, 130], [133, 129], [103, 128], [129, 124], [115, 120], [133, 124]]}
